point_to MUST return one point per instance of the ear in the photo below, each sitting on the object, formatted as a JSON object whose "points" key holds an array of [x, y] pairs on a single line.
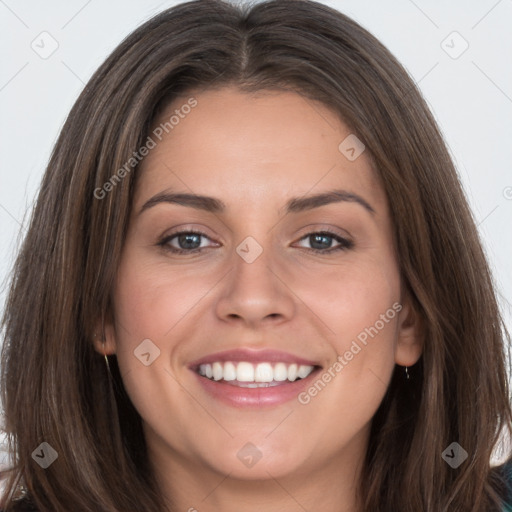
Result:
{"points": [[410, 336], [104, 339]]}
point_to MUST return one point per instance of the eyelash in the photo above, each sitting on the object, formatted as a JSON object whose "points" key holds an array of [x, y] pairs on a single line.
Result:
{"points": [[344, 244]]}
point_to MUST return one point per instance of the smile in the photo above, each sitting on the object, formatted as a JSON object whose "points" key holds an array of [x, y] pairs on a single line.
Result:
{"points": [[246, 374], [254, 378]]}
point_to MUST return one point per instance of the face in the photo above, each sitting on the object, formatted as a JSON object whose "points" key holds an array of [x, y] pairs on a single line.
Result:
{"points": [[258, 312]]}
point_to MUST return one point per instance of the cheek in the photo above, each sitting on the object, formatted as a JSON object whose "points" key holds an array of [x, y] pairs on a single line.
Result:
{"points": [[154, 309], [151, 300], [357, 305], [350, 297], [157, 310]]}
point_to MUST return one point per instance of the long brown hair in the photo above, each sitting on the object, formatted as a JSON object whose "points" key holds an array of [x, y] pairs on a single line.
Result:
{"points": [[55, 387]]}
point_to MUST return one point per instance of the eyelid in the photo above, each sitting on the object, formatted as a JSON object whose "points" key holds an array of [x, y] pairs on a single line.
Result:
{"points": [[188, 228], [164, 240], [324, 228], [170, 236], [344, 242]]}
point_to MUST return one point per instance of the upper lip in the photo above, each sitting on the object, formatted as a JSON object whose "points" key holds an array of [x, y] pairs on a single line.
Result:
{"points": [[252, 356]]}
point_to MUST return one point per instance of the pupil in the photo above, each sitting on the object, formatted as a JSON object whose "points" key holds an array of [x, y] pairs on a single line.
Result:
{"points": [[189, 241], [316, 241]]}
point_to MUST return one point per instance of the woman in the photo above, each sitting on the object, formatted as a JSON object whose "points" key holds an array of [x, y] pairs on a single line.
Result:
{"points": [[252, 282]]}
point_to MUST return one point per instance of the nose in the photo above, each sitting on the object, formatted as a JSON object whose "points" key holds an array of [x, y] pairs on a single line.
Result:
{"points": [[256, 294]]}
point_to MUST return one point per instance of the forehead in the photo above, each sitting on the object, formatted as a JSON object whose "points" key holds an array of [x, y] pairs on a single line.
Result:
{"points": [[253, 148]]}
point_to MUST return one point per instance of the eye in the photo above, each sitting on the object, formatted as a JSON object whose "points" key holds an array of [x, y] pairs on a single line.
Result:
{"points": [[184, 242], [322, 241], [187, 242]]}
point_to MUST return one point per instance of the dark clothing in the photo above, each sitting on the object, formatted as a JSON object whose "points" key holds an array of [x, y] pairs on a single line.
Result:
{"points": [[24, 504]]}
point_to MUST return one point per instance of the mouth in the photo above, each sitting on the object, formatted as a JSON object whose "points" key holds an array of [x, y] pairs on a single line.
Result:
{"points": [[244, 378], [248, 375]]}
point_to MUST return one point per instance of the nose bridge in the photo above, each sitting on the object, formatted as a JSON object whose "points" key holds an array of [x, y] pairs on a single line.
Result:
{"points": [[253, 265], [253, 292]]}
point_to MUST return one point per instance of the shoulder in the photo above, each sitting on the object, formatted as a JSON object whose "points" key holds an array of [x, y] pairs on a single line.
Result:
{"points": [[22, 505], [505, 473]]}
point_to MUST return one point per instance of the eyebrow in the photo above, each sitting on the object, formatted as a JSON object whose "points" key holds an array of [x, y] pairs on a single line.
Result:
{"points": [[294, 205]]}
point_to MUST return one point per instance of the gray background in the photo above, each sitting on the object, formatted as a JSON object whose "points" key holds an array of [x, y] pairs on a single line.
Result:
{"points": [[470, 94]]}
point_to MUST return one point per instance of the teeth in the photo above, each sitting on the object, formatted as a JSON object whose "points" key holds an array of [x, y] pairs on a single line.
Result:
{"points": [[280, 372], [264, 373], [218, 371], [244, 372], [229, 371], [254, 373], [303, 371], [292, 372]]}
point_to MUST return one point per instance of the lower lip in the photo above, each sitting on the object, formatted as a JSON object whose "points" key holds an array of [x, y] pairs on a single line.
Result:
{"points": [[236, 396]]}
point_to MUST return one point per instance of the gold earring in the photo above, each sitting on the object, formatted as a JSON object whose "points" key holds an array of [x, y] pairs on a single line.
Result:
{"points": [[406, 373], [104, 353], [105, 356]]}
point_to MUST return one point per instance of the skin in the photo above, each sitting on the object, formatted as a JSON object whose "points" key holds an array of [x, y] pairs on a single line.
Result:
{"points": [[254, 152]]}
